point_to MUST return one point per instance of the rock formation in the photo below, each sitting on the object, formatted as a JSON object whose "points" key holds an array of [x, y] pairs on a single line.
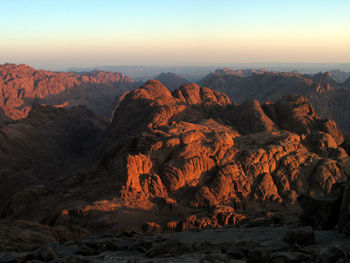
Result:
{"points": [[196, 159], [169, 161], [329, 97], [202, 151], [21, 86]]}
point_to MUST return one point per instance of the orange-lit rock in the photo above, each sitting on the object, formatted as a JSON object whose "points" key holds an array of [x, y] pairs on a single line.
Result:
{"points": [[195, 141], [21, 86], [169, 161]]}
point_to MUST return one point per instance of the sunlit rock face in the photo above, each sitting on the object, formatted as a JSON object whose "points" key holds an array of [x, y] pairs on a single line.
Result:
{"points": [[202, 150], [22, 86], [168, 161]]}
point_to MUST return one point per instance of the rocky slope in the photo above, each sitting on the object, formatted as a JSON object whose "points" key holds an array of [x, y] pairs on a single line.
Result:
{"points": [[194, 159], [21, 86], [45, 147], [328, 96], [276, 244], [195, 132], [168, 162], [171, 80]]}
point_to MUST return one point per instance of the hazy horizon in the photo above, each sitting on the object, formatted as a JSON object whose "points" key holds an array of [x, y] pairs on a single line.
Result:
{"points": [[64, 34]]}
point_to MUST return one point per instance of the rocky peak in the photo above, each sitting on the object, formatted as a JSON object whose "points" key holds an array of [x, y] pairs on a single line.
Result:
{"points": [[322, 77], [297, 114], [251, 117], [169, 162], [195, 141], [320, 89], [324, 82], [21, 86], [154, 90]]}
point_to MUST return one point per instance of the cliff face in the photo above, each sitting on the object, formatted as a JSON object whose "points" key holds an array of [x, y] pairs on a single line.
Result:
{"points": [[196, 140], [21, 86], [169, 161], [328, 96]]}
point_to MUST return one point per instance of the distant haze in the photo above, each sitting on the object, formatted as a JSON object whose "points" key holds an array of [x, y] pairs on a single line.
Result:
{"points": [[60, 34], [194, 73]]}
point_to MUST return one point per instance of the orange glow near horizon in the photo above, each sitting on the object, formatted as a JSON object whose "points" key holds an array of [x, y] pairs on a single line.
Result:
{"points": [[65, 34]]}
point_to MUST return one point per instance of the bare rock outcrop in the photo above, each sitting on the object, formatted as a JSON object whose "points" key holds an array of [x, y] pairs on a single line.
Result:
{"points": [[22, 86], [200, 149], [328, 96], [169, 161]]}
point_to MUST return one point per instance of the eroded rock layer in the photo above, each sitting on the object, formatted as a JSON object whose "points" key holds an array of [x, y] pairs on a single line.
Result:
{"points": [[202, 151], [21, 86], [169, 161], [328, 96]]}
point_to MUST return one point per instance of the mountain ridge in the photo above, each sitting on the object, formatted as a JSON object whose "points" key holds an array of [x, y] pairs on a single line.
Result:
{"points": [[328, 96], [168, 162], [21, 86]]}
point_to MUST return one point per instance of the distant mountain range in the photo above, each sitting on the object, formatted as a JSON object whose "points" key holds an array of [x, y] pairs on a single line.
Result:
{"points": [[23, 86], [330, 98], [195, 73], [144, 73], [171, 80], [168, 161]]}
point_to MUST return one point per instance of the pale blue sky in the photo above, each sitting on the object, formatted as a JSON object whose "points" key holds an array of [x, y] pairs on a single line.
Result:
{"points": [[50, 33]]}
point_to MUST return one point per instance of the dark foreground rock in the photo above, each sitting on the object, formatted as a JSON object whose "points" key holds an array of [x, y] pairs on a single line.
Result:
{"points": [[258, 244], [301, 236]]}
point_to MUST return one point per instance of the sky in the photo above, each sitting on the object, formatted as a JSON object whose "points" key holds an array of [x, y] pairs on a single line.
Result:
{"points": [[84, 33]]}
